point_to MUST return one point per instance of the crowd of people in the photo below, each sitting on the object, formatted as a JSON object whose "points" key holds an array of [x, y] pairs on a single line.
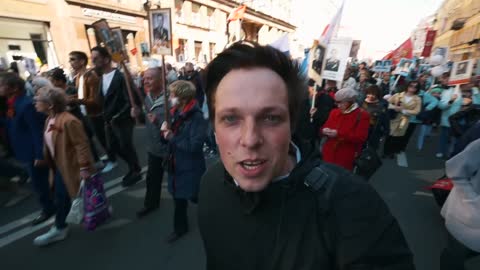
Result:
{"points": [[269, 146]]}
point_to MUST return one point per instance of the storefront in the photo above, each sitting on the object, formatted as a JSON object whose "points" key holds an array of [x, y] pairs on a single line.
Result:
{"points": [[28, 43]]}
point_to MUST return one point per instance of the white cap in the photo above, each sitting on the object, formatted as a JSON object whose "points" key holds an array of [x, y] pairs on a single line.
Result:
{"points": [[346, 94]]}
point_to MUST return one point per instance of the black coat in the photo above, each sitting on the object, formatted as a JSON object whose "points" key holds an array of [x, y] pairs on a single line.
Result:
{"points": [[281, 227], [116, 103], [307, 129]]}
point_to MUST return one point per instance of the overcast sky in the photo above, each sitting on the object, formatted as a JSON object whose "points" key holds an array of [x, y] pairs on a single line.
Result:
{"points": [[382, 25]]}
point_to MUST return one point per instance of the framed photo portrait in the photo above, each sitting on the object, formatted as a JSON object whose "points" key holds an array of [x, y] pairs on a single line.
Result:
{"points": [[160, 22], [119, 42], [111, 41]]}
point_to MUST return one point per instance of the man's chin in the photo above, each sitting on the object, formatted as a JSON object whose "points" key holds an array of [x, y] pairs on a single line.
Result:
{"points": [[253, 185]]}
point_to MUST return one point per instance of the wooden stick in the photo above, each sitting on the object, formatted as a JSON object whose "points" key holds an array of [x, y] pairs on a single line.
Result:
{"points": [[166, 107], [395, 84]]}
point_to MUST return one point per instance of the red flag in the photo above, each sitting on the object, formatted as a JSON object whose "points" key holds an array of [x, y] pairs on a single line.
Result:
{"points": [[237, 14], [427, 49], [134, 51], [404, 51]]}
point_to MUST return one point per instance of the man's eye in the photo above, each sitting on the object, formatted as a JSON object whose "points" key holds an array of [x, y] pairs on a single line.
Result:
{"points": [[272, 118], [229, 119]]}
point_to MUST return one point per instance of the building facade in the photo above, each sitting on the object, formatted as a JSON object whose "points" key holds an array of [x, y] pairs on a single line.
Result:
{"points": [[458, 27], [45, 31]]}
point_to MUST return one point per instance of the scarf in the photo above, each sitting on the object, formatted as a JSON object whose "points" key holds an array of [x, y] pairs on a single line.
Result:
{"points": [[11, 106], [179, 117]]}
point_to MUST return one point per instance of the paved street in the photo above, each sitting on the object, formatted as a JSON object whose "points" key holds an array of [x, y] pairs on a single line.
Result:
{"points": [[128, 243]]}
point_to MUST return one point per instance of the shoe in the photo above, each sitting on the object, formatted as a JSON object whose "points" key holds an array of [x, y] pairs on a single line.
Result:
{"points": [[439, 155], [145, 211], [109, 166], [99, 165], [172, 238], [132, 179], [104, 158], [41, 218], [53, 235]]}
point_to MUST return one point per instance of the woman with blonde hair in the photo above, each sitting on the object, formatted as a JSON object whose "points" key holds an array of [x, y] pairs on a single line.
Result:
{"points": [[67, 152], [186, 162]]}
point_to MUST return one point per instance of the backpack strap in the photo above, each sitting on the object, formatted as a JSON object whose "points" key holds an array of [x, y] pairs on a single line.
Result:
{"points": [[321, 181]]}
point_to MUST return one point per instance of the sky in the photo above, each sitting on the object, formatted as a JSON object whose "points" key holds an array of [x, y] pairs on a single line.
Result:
{"points": [[381, 25]]}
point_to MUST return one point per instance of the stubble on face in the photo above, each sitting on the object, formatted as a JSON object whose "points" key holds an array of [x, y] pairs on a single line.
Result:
{"points": [[252, 125]]}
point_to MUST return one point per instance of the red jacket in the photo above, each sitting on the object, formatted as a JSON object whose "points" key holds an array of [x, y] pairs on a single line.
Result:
{"points": [[352, 133]]}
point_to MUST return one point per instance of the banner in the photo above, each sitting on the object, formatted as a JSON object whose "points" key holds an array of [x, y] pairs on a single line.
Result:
{"points": [[331, 29], [382, 66], [404, 51], [355, 48], [335, 62], [427, 48], [461, 72]]}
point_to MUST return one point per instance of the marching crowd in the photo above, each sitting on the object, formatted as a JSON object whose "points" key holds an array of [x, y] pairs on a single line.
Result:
{"points": [[51, 124]]}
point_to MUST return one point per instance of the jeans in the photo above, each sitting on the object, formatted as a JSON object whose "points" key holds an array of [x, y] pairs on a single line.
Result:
{"points": [[62, 201], [180, 219], [10, 169], [154, 181], [443, 146], [41, 187], [425, 130]]}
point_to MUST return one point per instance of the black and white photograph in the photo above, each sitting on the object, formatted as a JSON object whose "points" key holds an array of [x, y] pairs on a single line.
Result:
{"points": [[333, 63], [120, 53], [461, 72], [161, 31], [462, 68], [318, 55]]}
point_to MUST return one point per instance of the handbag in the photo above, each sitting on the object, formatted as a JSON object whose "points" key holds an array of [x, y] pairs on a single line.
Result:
{"points": [[75, 216], [368, 162], [95, 202]]}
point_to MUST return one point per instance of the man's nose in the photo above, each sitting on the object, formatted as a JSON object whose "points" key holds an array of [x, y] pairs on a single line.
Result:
{"points": [[251, 134]]}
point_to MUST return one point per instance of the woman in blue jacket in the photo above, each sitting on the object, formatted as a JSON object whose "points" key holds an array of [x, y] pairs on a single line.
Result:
{"points": [[186, 162]]}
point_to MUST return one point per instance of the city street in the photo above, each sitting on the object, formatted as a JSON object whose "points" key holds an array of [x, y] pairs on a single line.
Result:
{"points": [[129, 243]]}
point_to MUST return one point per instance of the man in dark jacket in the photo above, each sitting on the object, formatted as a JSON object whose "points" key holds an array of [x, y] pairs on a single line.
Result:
{"points": [[118, 113], [194, 77], [157, 148], [271, 203]]}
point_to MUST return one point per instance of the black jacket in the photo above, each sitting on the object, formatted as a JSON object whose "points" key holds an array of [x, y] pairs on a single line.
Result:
{"points": [[307, 129], [282, 227], [464, 119], [116, 103]]}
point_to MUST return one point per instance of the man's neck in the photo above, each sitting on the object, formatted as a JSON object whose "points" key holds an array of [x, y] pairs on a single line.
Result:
{"points": [[156, 94], [107, 70], [81, 70]]}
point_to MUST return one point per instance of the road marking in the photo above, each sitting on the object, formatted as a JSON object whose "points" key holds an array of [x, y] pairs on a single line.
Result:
{"points": [[29, 218], [402, 160], [421, 193]]}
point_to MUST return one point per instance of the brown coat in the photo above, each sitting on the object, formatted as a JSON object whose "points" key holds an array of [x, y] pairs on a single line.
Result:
{"points": [[90, 92], [399, 125], [72, 151]]}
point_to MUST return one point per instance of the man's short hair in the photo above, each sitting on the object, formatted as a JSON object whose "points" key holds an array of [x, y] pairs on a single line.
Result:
{"points": [[242, 55], [58, 74], [12, 80], [103, 52], [80, 56]]}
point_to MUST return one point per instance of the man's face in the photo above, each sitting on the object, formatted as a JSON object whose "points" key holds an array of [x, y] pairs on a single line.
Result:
{"points": [[158, 21], [252, 125], [152, 81], [98, 61], [386, 77], [75, 62], [189, 71]]}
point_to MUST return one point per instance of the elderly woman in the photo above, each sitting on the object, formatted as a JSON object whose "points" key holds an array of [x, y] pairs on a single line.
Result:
{"points": [[405, 105], [66, 150], [39, 82], [186, 164], [346, 130]]}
